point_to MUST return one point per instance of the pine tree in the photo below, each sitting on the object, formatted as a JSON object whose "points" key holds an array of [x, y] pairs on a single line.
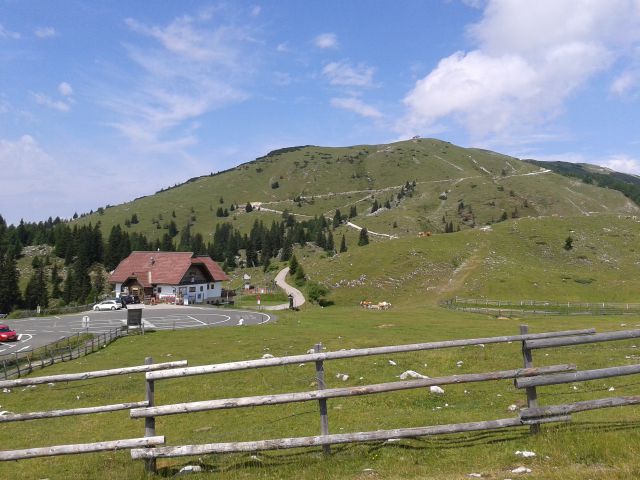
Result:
{"points": [[330, 246], [337, 219], [9, 291], [299, 278], [293, 265], [353, 212], [343, 245], [248, 208], [36, 292], [55, 282], [375, 206], [364, 238]]}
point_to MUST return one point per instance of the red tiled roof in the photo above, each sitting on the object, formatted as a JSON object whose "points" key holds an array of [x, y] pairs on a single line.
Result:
{"points": [[162, 267]]}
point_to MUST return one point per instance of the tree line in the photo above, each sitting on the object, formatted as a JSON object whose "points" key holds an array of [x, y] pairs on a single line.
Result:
{"points": [[75, 271]]}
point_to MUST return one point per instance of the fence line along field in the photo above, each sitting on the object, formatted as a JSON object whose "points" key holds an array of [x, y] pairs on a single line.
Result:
{"points": [[403, 412]]}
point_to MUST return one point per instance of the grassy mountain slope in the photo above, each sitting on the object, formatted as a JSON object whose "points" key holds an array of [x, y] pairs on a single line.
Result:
{"points": [[317, 180], [515, 260]]}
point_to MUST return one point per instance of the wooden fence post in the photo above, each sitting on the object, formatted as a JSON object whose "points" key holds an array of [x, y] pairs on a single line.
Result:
{"points": [[17, 364], [150, 422], [532, 394], [324, 418]]}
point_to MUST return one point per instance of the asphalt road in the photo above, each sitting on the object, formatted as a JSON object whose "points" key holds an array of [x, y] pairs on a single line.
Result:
{"points": [[35, 332]]}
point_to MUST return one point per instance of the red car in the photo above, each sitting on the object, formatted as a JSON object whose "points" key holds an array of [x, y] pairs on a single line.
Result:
{"points": [[7, 334]]}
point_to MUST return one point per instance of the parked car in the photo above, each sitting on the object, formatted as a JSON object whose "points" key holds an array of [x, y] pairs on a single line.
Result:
{"points": [[129, 299], [108, 305], [7, 334]]}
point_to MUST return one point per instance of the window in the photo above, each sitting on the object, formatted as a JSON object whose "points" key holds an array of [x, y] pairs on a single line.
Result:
{"points": [[192, 289], [159, 289], [201, 288]]}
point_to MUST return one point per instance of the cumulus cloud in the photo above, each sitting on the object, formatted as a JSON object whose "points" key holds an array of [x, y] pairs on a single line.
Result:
{"points": [[65, 89], [326, 40], [530, 58], [344, 74], [44, 100], [356, 105], [4, 33], [622, 163], [45, 32]]}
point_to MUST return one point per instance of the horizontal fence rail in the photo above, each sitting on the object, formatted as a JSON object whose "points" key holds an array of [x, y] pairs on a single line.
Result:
{"points": [[81, 448], [72, 377], [19, 417], [262, 400], [361, 352], [596, 338], [553, 410], [582, 376], [318, 440]]}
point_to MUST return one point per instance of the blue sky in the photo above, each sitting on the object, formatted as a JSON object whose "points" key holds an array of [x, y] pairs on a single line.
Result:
{"points": [[102, 102]]}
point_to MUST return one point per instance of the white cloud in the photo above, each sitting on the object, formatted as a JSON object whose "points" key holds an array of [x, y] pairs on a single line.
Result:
{"points": [[282, 47], [357, 106], [45, 32], [65, 89], [625, 83], [326, 40], [344, 74], [4, 33], [197, 66], [530, 58], [42, 99], [255, 11], [622, 163]]}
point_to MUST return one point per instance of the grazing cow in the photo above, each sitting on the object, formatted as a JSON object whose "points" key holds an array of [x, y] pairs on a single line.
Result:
{"points": [[365, 303], [384, 305]]}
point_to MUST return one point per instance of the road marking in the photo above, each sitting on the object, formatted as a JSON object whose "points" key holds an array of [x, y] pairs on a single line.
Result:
{"points": [[196, 320], [24, 348], [241, 321]]}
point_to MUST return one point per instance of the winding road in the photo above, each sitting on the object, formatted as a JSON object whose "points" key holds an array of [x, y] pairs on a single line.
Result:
{"points": [[298, 297]]}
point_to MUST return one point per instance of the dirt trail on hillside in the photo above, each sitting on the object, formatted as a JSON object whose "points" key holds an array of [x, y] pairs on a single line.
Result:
{"points": [[463, 272]]}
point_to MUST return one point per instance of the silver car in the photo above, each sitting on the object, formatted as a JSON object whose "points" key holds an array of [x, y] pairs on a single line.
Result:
{"points": [[108, 305]]}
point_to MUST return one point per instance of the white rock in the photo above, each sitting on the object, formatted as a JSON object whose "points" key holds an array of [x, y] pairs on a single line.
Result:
{"points": [[459, 363], [611, 389], [521, 470], [267, 355], [474, 475], [345, 377], [301, 365], [512, 408], [525, 454], [311, 350], [190, 469], [411, 374], [436, 389], [6, 390], [391, 362], [499, 395]]}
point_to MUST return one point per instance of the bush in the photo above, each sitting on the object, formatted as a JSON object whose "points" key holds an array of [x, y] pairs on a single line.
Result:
{"points": [[316, 292]]}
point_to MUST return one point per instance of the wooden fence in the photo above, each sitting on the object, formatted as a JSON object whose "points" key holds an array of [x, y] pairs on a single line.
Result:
{"points": [[322, 395], [55, 450], [529, 378], [67, 348], [539, 307]]}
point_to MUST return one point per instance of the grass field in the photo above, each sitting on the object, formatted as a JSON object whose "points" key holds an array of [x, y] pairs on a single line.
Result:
{"points": [[602, 444]]}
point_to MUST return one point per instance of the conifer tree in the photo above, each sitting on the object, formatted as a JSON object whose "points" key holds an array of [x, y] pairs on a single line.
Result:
{"points": [[343, 245], [364, 238], [293, 265], [10, 296]]}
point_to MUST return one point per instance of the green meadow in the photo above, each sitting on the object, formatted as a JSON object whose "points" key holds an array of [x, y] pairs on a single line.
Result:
{"points": [[599, 444]]}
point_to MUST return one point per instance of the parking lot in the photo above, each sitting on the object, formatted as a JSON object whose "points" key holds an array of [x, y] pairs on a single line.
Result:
{"points": [[36, 332]]}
